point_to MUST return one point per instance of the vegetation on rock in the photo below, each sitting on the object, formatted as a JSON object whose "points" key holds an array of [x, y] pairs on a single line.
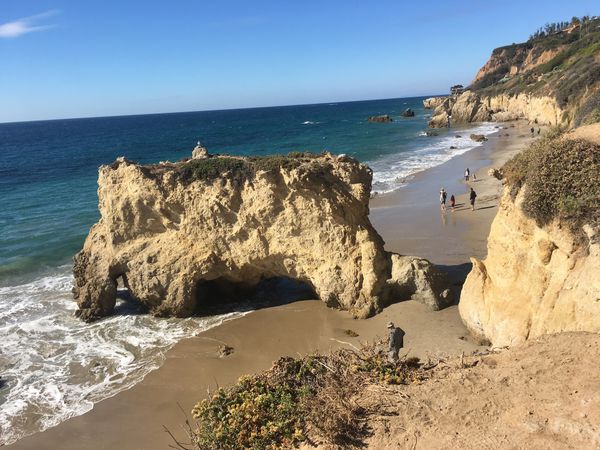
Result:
{"points": [[561, 180], [244, 168]]}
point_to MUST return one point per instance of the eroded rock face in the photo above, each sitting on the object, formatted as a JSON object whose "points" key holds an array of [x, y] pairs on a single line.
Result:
{"points": [[433, 102], [167, 230], [471, 107], [466, 108], [534, 280]]}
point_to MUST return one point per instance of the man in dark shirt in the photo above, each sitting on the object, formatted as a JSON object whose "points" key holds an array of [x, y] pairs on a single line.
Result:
{"points": [[395, 342], [472, 197]]}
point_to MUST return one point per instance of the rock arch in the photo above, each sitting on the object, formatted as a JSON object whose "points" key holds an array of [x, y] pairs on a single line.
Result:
{"points": [[168, 226]]}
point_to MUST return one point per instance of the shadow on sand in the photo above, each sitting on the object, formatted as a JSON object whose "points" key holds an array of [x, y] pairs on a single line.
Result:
{"points": [[457, 274]]}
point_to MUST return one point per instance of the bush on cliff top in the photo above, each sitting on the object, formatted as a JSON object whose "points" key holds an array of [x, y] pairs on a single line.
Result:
{"points": [[561, 178], [244, 168], [280, 407]]}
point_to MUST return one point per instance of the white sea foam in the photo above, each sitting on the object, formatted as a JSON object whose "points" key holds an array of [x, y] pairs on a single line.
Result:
{"points": [[309, 122], [392, 171], [54, 366]]}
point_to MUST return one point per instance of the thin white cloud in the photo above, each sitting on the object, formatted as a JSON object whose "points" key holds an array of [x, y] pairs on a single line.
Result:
{"points": [[25, 25]]}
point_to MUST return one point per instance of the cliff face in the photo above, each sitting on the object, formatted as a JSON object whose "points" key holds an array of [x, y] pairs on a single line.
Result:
{"points": [[181, 235], [551, 79], [534, 281], [515, 59], [473, 107]]}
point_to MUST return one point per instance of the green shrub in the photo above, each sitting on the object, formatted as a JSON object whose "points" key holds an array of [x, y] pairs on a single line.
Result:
{"points": [[561, 178], [276, 409], [214, 167]]}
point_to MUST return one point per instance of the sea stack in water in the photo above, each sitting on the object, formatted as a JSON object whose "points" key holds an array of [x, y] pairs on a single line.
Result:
{"points": [[408, 113], [381, 119], [175, 233]]}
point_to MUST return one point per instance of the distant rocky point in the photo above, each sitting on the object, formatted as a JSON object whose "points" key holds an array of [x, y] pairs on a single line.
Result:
{"points": [[433, 102], [552, 79], [208, 230]]}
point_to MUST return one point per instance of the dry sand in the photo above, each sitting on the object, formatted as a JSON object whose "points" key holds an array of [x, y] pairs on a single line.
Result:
{"points": [[410, 222], [542, 395]]}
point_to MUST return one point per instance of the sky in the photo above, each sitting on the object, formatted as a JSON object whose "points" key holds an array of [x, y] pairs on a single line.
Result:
{"points": [[61, 58]]}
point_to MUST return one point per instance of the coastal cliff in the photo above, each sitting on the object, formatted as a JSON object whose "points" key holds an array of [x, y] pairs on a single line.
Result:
{"points": [[552, 79], [211, 229], [541, 272]]}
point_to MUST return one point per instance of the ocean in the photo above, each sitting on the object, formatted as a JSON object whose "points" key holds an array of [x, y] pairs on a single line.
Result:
{"points": [[53, 366]]}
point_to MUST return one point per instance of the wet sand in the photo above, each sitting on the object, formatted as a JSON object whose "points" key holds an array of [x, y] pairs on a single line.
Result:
{"points": [[411, 223]]}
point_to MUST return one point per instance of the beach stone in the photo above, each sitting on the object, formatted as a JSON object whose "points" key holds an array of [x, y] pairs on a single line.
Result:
{"points": [[224, 351], [180, 243], [478, 137]]}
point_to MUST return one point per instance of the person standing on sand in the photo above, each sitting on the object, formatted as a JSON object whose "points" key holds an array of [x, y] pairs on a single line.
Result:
{"points": [[539, 130], [532, 130], [452, 202], [443, 196], [467, 173], [395, 341], [472, 197]]}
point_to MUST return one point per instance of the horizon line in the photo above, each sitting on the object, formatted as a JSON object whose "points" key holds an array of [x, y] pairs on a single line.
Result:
{"points": [[214, 110]]}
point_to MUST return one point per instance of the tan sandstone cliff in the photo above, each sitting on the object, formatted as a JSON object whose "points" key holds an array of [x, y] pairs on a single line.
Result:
{"points": [[539, 279], [180, 235], [473, 107], [534, 281]]}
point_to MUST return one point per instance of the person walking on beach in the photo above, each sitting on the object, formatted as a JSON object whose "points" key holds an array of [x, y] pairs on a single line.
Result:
{"points": [[395, 341], [452, 202], [467, 173], [443, 196], [472, 197], [539, 130], [532, 130]]}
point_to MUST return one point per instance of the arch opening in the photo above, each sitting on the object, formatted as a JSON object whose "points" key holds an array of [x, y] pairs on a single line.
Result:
{"points": [[222, 295]]}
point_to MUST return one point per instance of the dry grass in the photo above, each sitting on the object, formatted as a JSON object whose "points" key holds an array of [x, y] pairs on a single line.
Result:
{"points": [[317, 397]]}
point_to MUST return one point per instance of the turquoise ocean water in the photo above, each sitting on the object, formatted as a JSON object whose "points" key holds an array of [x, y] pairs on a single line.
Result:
{"points": [[54, 367]]}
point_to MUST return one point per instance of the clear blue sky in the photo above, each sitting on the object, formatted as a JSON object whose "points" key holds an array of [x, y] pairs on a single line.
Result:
{"points": [[61, 58]]}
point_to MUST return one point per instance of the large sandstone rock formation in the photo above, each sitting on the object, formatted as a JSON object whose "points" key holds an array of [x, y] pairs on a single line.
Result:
{"points": [[466, 108], [180, 235], [534, 280], [472, 107]]}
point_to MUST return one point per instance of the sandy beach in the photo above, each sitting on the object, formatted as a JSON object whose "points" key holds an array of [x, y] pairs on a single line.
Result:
{"points": [[410, 222]]}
